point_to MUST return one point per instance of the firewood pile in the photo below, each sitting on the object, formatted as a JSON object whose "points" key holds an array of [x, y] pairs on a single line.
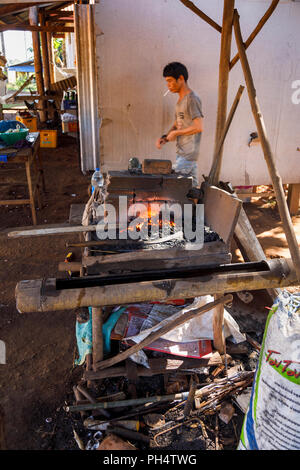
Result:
{"points": [[200, 408]]}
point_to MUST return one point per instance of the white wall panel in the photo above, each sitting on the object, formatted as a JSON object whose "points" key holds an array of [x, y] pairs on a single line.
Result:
{"points": [[136, 38]]}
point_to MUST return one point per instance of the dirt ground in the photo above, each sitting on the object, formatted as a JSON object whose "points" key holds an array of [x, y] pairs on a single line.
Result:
{"points": [[40, 347]]}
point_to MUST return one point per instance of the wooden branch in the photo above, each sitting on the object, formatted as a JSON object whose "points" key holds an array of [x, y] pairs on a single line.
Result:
{"points": [[217, 159], [255, 32], [202, 15], [224, 71], [28, 27], [275, 176], [168, 325], [12, 97]]}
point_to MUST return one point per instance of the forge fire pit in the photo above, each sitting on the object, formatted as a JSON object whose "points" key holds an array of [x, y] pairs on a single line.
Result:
{"points": [[221, 211]]}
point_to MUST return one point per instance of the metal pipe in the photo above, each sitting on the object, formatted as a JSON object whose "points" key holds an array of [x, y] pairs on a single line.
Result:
{"points": [[160, 274]]}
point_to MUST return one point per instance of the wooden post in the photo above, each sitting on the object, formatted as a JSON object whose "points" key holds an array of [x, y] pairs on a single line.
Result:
{"points": [[224, 71], [218, 320], [97, 335], [33, 19], [50, 56], [293, 198], [45, 55], [275, 176]]}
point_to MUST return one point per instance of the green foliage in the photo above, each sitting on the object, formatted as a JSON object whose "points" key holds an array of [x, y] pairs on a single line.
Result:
{"points": [[19, 82], [58, 51]]}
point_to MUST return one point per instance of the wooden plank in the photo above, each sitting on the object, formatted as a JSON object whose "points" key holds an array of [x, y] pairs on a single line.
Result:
{"points": [[256, 30], [221, 212], [156, 167], [268, 154], [212, 254], [157, 366], [61, 230], [76, 213]]}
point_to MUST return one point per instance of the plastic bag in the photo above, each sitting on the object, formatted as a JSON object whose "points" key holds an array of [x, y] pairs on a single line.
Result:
{"points": [[272, 420]]}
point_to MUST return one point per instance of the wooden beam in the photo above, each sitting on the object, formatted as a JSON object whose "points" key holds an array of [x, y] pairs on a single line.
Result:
{"points": [[214, 174], [14, 7], [223, 74], [255, 32], [35, 28], [275, 176], [202, 15]]}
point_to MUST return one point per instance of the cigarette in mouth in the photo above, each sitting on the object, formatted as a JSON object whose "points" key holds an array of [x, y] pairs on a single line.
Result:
{"points": [[165, 94]]}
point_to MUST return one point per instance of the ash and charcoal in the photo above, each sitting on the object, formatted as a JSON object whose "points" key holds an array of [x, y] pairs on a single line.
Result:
{"points": [[123, 246]]}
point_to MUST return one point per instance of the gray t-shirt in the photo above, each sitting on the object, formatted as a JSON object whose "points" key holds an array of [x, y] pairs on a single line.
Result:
{"points": [[186, 110]]}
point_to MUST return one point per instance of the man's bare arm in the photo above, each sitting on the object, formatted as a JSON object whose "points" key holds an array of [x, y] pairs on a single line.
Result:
{"points": [[163, 140], [195, 128]]}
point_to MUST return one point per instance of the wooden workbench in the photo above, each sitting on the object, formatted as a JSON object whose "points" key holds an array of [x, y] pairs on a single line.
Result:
{"points": [[30, 157]]}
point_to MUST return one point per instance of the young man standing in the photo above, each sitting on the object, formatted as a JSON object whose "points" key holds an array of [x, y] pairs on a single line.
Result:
{"points": [[188, 124]]}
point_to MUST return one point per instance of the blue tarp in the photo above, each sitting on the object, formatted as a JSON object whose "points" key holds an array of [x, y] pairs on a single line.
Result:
{"points": [[21, 68]]}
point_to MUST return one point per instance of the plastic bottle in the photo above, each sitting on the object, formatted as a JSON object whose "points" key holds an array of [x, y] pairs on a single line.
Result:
{"points": [[97, 180]]}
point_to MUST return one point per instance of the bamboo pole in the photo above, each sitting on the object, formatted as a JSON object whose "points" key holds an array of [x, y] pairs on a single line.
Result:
{"points": [[217, 159], [40, 295], [275, 176], [255, 32], [33, 18], [202, 15], [224, 71]]}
